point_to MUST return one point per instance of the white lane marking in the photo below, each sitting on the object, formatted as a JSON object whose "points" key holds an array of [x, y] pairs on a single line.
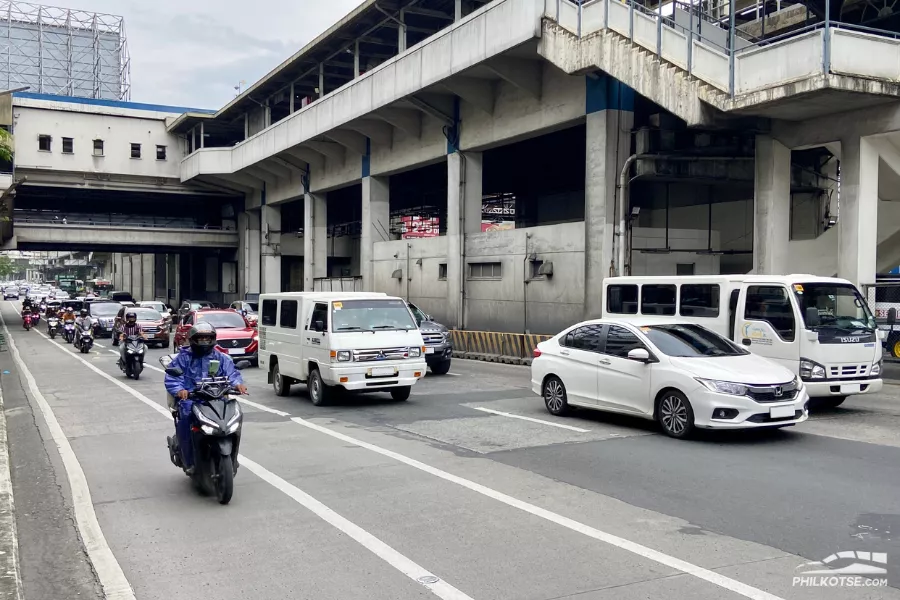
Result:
{"points": [[532, 419], [619, 542], [109, 572], [408, 567], [9, 561], [262, 407], [99, 345]]}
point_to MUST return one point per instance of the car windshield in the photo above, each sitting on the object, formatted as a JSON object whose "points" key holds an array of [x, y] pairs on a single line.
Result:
{"points": [[157, 306], [690, 341], [105, 309], [146, 314], [371, 315], [840, 307], [252, 306], [224, 320]]}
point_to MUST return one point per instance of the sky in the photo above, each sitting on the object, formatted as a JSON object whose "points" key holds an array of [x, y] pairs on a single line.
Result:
{"points": [[194, 52]]}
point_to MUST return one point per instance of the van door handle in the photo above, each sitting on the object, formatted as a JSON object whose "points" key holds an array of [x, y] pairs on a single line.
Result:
{"points": [[605, 362]]}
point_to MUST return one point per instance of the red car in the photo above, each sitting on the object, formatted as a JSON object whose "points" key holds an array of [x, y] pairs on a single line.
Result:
{"points": [[234, 336]]}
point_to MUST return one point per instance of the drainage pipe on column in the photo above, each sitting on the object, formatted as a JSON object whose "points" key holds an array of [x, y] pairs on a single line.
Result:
{"points": [[461, 310], [622, 200]]}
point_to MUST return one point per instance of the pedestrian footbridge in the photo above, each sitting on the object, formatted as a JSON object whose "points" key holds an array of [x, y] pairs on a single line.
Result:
{"points": [[83, 235]]}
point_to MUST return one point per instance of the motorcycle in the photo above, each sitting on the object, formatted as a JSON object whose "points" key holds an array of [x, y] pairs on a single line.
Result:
{"points": [[84, 341], [133, 363], [216, 421], [52, 327], [69, 331], [27, 321]]}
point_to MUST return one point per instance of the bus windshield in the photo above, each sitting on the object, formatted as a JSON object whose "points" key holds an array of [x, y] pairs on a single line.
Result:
{"points": [[841, 307]]}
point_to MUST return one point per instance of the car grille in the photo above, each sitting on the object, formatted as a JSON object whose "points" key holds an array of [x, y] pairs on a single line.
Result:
{"points": [[765, 418], [433, 339], [380, 354], [847, 371], [235, 343], [148, 329], [769, 393]]}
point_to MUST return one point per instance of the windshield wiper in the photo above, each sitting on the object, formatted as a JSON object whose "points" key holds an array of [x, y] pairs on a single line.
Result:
{"points": [[385, 327], [347, 328]]}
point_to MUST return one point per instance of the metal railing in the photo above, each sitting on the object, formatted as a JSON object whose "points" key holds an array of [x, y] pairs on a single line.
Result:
{"points": [[338, 284], [737, 42]]}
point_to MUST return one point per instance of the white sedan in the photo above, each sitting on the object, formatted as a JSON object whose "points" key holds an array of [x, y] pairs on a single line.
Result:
{"points": [[680, 374]]}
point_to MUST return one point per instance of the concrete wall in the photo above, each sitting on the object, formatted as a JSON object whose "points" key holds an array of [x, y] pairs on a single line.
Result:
{"points": [[117, 132], [420, 283]]}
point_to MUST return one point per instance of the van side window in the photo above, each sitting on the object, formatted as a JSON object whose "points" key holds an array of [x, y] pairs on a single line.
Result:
{"points": [[319, 313], [770, 303], [288, 314], [269, 312], [622, 299], [699, 300], [657, 299]]}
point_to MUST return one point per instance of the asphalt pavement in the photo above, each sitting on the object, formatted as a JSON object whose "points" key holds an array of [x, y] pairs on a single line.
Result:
{"points": [[469, 489]]}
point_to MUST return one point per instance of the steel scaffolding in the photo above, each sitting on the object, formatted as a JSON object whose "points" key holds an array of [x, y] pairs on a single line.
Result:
{"points": [[65, 52]]}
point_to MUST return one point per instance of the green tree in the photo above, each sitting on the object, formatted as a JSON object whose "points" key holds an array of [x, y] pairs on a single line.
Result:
{"points": [[7, 266], [6, 145]]}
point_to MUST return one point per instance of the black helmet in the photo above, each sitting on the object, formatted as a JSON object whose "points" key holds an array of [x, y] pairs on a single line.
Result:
{"points": [[84, 312], [131, 317], [202, 338]]}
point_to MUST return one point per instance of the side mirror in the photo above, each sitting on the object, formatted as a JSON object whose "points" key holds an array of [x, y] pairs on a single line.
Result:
{"points": [[639, 355], [319, 326], [428, 318], [174, 372], [812, 317], [892, 316]]}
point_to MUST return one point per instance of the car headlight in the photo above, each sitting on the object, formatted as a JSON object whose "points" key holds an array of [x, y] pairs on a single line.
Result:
{"points": [[256, 338], [415, 352], [724, 387], [344, 355], [810, 369], [446, 335], [876, 367]]}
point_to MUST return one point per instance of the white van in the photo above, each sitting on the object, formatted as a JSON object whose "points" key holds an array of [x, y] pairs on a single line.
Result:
{"points": [[354, 340], [819, 327]]}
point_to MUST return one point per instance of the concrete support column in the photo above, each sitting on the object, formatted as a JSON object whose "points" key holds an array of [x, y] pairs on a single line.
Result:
{"points": [[464, 199], [376, 225], [401, 32], [607, 145], [248, 256], [772, 202], [173, 279], [148, 277], [858, 220], [270, 249], [315, 239], [126, 274]]}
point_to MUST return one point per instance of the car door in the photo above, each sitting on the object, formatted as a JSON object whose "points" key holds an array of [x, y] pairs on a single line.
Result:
{"points": [[624, 384], [579, 357], [769, 325], [315, 346]]}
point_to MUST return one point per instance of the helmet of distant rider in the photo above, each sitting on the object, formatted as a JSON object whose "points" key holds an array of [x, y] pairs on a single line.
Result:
{"points": [[131, 317], [202, 338], [84, 312]]}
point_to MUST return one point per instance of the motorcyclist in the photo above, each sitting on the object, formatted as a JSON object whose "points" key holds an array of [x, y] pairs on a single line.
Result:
{"points": [[69, 315], [194, 361], [130, 328], [84, 321], [27, 303]]}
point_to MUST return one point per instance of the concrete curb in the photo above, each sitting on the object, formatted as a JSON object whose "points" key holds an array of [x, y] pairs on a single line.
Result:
{"points": [[10, 577]]}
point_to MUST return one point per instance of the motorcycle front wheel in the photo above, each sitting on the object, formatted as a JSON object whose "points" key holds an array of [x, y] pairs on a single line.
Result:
{"points": [[225, 479]]}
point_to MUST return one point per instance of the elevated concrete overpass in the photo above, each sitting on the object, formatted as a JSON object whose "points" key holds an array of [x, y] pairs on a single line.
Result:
{"points": [[86, 237]]}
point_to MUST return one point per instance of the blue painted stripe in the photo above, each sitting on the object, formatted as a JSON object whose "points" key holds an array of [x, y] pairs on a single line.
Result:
{"points": [[607, 93], [113, 103]]}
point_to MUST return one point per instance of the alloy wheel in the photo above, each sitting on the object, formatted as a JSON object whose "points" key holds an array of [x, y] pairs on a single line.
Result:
{"points": [[673, 414]]}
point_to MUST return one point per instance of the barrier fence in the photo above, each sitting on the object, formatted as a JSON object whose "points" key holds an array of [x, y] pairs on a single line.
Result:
{"points": [[491, 346], [882, 297]]}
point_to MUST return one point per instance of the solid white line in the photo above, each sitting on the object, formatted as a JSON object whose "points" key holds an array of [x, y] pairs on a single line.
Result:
{"points": [[262, 407], [649, 553], [417, 573], [109, 572], [10, 560], [532, 419]]}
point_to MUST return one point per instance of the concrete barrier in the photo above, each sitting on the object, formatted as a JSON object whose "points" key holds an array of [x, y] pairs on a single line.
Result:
{"points": [[492, 346]]}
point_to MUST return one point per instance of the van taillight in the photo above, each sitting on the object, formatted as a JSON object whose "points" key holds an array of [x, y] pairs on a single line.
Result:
{"points": [[536, 353]]}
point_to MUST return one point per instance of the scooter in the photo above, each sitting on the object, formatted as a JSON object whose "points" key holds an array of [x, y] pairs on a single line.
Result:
{"points": [[52, 327], [69, 331], [133, 362], [27, 321], [84, 341], [216, 422]]}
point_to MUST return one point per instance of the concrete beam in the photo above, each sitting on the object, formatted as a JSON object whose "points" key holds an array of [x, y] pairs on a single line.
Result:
{"points": [[431, 110], [407, 121], [262, 174], [275, 169], [427, 12], [221, 184], [328, 149], [379, 132], [291, 167], [351, 140], [888, 153], [477, 92], [244, 179], [527, 75], [315, 160]]}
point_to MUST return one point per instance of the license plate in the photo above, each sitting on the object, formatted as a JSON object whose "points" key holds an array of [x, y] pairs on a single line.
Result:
{"points": [[235, 351], [382, 371], [779, 412], [850, 388], [429, 350]]}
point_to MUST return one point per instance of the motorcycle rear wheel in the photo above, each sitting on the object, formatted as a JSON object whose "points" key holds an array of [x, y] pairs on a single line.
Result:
{"points": [[225, 480]]}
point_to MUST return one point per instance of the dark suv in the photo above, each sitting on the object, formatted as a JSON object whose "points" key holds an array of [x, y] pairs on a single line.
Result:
{"points": [[438, 343], [104, 317]]}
